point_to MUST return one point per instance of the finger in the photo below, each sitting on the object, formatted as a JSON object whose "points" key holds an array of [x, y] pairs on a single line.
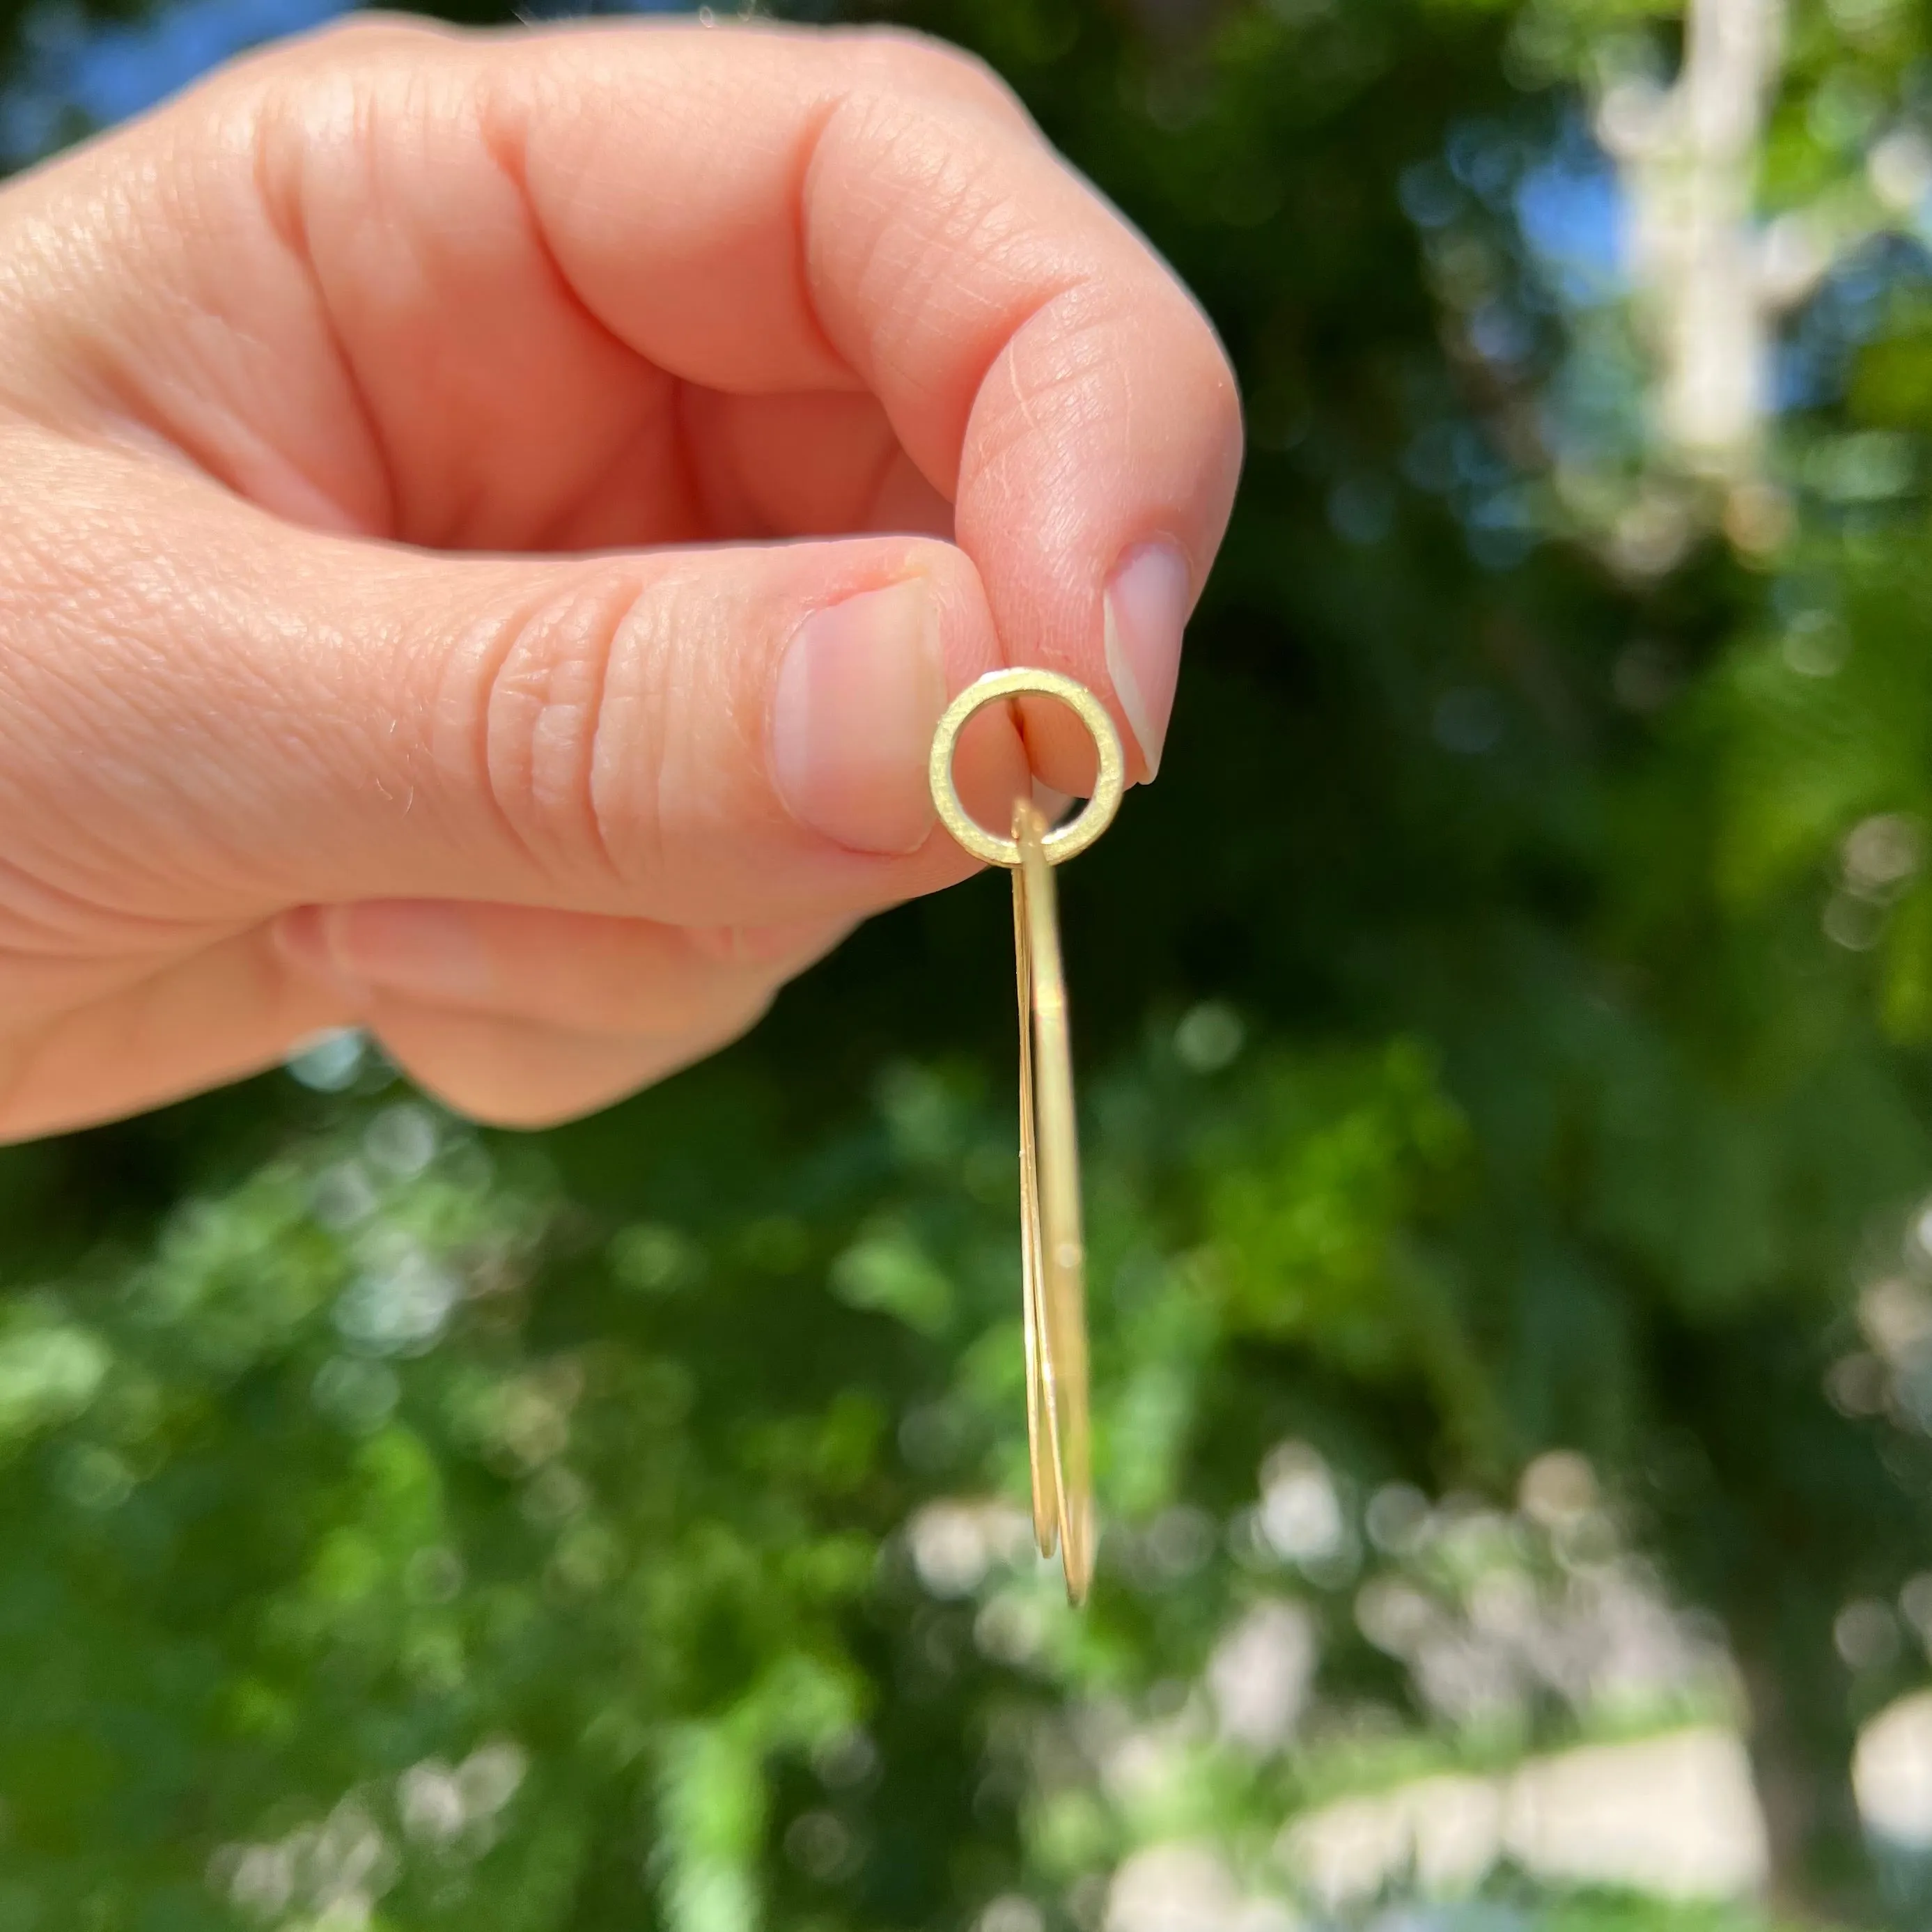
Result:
{"points": [[205, 714], [515, 1073], [231, 1010], [572, 971], [813, 464], [503, 252], [896, 217]]}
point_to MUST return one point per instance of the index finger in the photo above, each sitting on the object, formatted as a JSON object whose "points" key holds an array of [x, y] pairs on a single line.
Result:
{"points": [[761, 210]]}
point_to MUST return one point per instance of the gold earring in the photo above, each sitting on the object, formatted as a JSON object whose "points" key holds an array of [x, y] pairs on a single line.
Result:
{"points": [[1053, 1265]]}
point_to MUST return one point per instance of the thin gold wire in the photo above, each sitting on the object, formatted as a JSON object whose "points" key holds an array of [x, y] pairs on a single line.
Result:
{"points": [[1045, 1478], [1060, 1295], [1052, 1249]]}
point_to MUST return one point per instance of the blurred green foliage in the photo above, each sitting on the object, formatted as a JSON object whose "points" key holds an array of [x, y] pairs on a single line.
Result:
{"points": [[1507, 1121]]}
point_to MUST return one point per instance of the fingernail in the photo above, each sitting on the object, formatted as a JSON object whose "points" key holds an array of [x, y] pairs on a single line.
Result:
{"points": [[421, 947], [1145, 607], [858, 695]]}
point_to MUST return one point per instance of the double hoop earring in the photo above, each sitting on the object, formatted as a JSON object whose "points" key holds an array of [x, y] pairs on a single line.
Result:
{"points": [[1053, 1261]]}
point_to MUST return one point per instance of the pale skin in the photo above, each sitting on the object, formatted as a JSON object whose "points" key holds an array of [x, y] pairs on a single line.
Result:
{"points": [[405, 442]]}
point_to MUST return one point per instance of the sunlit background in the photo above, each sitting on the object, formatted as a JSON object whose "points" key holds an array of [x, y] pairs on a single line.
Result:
{"points": [[1510, 1145]]}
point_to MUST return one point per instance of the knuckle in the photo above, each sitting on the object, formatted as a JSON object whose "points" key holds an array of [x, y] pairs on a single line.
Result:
{"points": [[544, 676], [329, 91], [914, 62], [286, 93], [360, 39]]}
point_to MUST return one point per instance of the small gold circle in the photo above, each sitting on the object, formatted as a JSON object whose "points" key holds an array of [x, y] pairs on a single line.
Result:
{"points": [[1068, 839]]}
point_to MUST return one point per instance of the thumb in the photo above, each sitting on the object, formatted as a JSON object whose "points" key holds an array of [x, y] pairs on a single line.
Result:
{"points": [[205, 713]]}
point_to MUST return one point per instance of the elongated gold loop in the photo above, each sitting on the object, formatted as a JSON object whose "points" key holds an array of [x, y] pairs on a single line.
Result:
{"points": [[1053, 1255], [1053, 1248], [1109, 784]]}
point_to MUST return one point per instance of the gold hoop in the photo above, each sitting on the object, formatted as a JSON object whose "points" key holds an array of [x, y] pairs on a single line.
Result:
{"points": [[1069, 839]]}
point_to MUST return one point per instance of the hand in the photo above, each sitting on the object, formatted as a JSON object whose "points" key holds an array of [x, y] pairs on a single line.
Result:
{"points": [[618, 307]]}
